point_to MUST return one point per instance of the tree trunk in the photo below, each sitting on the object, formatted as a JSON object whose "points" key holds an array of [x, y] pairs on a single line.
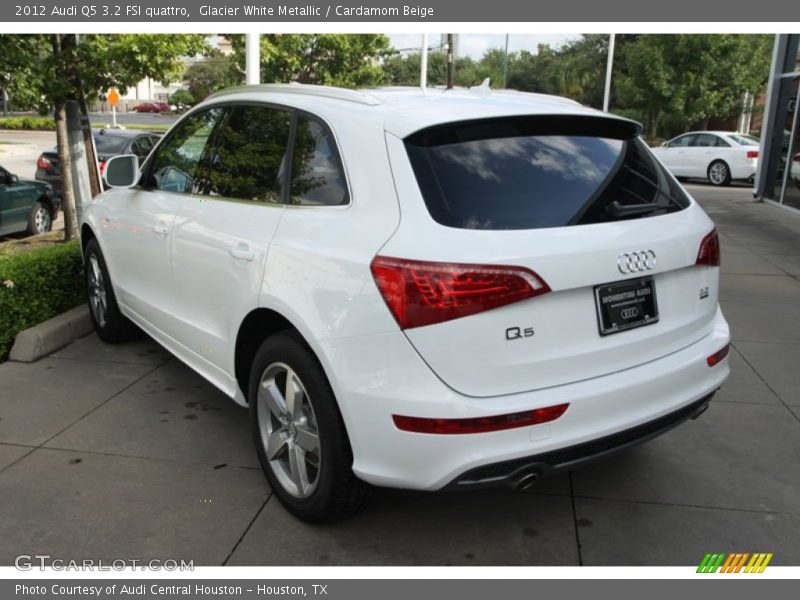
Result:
{"points": [[64, 157], [94, 180]]}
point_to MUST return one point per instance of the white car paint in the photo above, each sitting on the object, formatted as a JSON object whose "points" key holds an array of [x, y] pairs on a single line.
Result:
{"points": [[189, 269], [686, 156]]}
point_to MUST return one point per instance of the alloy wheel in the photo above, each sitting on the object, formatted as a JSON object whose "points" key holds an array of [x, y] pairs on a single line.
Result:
{"points": [[97, 291], [718, 173], [288, 429], [41, 220]]}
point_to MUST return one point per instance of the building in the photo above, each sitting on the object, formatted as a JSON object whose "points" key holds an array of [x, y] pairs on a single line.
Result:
{"points": [[778, 176]]}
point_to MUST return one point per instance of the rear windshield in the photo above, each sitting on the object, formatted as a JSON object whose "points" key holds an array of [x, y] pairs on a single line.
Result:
{"points": [[110, 144], [534, 172]]}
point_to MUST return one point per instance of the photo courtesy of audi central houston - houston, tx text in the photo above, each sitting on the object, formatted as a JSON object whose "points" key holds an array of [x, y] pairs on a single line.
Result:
{"points": [[524, 297]]}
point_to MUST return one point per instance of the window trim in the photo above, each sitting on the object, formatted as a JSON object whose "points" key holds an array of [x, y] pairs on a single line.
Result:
{"points": [[227, 105]]}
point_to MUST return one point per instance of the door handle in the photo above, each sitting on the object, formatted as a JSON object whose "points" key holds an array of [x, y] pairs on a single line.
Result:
{"points": [[242, 252], [160, 228]]}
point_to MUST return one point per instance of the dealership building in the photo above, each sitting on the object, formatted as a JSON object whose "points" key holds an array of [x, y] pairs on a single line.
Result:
{"points": [[778, 177]]}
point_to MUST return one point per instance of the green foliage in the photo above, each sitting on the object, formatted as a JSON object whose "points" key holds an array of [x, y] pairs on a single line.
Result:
{"points": [[28, 122], [215, 72], [36, 286], [346, 60], [182, 99]]}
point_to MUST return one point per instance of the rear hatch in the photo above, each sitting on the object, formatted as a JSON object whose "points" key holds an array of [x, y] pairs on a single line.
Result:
{"points": [[575, 208]]}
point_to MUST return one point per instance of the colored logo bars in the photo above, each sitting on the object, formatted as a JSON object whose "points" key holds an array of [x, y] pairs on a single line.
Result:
{"points": [[735, 562]]}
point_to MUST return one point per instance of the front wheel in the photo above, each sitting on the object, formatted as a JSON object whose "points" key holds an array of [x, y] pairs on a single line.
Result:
{"points": [[109, 323], [719, 173], [299, 434]]}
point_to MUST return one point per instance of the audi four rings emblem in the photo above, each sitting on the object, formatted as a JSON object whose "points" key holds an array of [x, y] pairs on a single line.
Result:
{"points": [[633, 262]]}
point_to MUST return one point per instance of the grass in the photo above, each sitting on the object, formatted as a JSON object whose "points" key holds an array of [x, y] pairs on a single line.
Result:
{"points": [[15, 247]]}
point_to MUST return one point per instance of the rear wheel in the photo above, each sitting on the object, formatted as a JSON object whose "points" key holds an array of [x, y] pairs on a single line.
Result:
{"points": [[40, 219], [109, 323], [299, 434], [719, 173]]}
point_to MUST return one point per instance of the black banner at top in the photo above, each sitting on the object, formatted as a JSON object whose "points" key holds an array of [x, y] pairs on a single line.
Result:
{"points": [[411, 11]]}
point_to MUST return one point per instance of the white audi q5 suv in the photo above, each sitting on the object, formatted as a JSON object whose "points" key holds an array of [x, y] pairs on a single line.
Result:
{"points": [[427, 290]]}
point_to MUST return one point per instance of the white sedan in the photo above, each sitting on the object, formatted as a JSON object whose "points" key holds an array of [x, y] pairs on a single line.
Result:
{"points": [[719, 156]]}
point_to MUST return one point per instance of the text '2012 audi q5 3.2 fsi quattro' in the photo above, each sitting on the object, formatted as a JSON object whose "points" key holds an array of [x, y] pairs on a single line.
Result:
{"points": [[426, 290]]}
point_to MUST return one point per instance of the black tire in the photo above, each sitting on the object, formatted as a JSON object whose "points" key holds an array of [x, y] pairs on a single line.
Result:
{"points": [[40, 220], [109, 323], [336, 491], [719, 173]]}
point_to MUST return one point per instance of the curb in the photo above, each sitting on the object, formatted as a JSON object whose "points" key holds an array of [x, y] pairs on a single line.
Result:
{"points": [[32, 344]]}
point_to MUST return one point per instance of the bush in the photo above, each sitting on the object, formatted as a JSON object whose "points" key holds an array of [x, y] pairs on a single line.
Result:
{"points": [[36, 286], [28, 122]]}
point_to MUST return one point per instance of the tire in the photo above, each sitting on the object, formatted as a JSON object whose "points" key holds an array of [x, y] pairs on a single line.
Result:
{"points": [[40, 219], [309, 466], [719, 173], [109, 323], [682, 179]]}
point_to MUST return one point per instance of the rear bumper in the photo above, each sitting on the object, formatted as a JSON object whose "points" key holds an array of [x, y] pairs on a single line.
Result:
{"points": [[53, 180], [375, 377]]}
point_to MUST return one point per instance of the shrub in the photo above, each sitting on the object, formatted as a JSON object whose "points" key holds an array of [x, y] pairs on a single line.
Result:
{"points": [[36, 286], [28, 122]]}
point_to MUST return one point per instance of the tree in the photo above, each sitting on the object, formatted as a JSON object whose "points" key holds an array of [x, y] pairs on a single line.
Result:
{"points": [[215, 72], [346, 60], [182, 99]]}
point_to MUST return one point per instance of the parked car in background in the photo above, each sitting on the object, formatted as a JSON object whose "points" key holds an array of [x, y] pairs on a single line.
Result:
{"points": [[415, 290], [108, 142], [25, 205], [151, 107], [794, 174], [719, 156]]}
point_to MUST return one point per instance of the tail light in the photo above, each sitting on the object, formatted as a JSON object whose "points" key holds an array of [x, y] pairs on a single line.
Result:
{"points": [[43, 163], [480, 424], [718, 356], [752, 154], [709, 254], [102, 167], [796, 158], [422, 293]]}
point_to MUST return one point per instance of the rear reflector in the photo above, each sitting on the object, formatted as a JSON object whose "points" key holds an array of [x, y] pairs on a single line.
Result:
{"points": [[102, 167], [719, 356], [43, 163], [480, 424], [752, 154], [423, 293], [709, 254]]}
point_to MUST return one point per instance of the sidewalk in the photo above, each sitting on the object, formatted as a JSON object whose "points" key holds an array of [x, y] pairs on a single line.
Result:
{"points": [[122, 452]]}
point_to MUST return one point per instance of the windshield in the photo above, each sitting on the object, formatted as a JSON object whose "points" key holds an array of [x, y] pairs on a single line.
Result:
{"points": [[744, 140], [523, 173]]}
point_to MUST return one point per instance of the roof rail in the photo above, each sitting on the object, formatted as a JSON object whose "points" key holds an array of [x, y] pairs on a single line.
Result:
{"points": [[303, 89]]}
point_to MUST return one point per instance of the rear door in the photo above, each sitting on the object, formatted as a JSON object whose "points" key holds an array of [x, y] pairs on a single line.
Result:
{"points": [[16, 201], [222, 237], [586, 210]]}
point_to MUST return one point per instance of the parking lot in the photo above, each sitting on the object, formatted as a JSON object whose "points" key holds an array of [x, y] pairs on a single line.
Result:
{"points": [[111, 452]]}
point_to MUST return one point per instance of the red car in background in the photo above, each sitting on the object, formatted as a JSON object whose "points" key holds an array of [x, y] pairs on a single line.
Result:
{"points": [[151, 107]]}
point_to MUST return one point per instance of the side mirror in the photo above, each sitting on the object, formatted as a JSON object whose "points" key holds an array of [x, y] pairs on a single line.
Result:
{"points": [[665, 144], [12, 179], [122, 171]]}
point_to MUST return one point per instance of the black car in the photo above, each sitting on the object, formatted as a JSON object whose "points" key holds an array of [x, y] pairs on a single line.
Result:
{"points": [[108, 142]]}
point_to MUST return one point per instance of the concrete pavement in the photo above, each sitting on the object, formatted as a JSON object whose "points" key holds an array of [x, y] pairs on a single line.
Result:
{"points": [[123, 452]]}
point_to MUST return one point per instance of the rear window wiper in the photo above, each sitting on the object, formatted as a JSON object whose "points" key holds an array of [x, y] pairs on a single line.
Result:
{"points": [[620, 211]]}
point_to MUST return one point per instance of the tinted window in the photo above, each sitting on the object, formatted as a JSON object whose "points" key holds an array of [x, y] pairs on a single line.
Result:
{"points": [[317, 177], [110, 144], [504, 174], [248, 161], [175, 167], [705, 140], [682, 142]]}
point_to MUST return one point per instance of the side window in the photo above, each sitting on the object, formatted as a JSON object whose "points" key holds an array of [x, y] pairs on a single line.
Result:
{"points": [[681, 142], [721, 142], [141, 147], [176, 166], [317, 176], [705, 140], [248, 161]]}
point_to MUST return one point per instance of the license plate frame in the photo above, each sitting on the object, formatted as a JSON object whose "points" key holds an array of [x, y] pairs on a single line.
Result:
{"points": [[625, 305]]}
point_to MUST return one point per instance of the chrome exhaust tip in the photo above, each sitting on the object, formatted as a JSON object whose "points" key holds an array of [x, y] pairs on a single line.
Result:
{"points": [[523, 481]]}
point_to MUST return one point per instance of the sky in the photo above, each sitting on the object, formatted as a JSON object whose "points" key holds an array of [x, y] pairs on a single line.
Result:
{"points": [[475, 45]]}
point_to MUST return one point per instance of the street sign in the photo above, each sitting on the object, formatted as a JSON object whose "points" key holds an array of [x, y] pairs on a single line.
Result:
{"points": [[113, 97]]}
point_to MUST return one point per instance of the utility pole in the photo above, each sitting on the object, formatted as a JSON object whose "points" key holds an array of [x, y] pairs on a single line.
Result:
{"points": [[252, 53], [505, 66], [423, 67], [450, 65]]}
